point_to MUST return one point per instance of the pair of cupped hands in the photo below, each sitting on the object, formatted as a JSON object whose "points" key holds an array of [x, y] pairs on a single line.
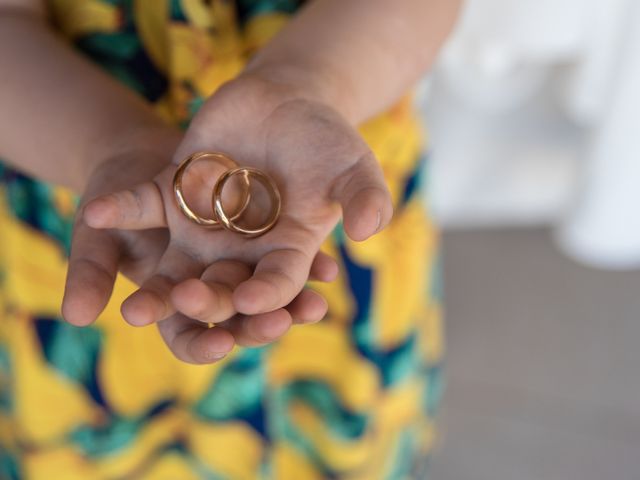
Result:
{"points": [[252, 289]]}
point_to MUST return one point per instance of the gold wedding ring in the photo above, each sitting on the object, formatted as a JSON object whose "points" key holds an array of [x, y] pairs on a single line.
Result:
{"points": [[272, 190], [179, 194], [220, 217]]}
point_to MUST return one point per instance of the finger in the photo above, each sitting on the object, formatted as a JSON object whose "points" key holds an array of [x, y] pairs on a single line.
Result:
{"points": [[308, 307], [262, 329], [209, 298], [92, 270], [365, 199], [324, 268], [151, 303], [193, 342], [279, 276], [257, 330], [137, 208]]}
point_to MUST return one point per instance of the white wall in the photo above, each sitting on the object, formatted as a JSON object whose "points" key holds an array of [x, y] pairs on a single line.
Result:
{"points": [[533, 110]]}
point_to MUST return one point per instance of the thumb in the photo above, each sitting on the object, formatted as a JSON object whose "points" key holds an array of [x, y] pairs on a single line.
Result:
{"points": [[136, 208], [364, 198]]}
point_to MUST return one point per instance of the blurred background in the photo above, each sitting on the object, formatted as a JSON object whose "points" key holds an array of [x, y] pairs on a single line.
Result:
{"points": [[533, 112]]}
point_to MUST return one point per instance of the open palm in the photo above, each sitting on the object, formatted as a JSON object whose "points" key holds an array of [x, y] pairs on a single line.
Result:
{"points": [[323, 170]]}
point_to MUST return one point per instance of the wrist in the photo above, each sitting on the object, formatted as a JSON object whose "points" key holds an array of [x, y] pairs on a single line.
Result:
{"points": [[291, 81], [156, 141]]}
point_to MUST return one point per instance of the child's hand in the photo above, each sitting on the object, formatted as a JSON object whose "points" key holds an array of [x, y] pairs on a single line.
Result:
{"points": [[98, 255], [321, 166]]}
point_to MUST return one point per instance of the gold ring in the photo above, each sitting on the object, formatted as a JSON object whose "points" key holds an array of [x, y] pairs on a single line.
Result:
{"points": [[182, 203], [267, 182]]}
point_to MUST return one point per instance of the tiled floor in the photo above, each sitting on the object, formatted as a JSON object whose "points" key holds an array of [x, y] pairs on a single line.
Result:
{"points": [[544, 363]]}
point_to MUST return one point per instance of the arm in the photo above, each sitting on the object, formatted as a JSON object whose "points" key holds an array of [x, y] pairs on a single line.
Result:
{"points": [[291, 114], [64, 121], [60, 115], [357, 56]]}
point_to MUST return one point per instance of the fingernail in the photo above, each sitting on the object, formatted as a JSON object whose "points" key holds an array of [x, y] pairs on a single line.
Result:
{"points": [[378, 221], [215, 355]]}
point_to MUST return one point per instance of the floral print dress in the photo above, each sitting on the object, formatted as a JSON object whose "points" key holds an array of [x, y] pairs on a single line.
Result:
{"points": [[351, 397]]}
